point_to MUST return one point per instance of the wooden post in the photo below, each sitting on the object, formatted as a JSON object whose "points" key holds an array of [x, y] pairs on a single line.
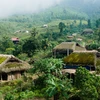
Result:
{"points": [[90, 68], [11, 76], [70, 75], [95, 60], [54, 53], [1, 77], [67, 52], [7, 77]]}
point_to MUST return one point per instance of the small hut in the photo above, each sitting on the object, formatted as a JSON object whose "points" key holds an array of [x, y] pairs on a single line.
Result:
{"points": [[87, 31], [11, 67], [15, 40], [66, 48]]}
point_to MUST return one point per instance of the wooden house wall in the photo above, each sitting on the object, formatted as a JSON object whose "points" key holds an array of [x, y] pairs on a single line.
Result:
{"points": [[10, 76]]}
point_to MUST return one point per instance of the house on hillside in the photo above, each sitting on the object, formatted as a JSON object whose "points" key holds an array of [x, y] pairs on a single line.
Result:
{"points": [[86, 59], [45, 26], [11, 67], [79, 39], [19, 31], [70, 37], [87, 31], [15, 40], [66, 48]]}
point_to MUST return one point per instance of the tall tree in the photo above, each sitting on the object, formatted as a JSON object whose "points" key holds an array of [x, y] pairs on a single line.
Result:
{"points": [[98, 34], [30, 46], [34, 32], [89, 23], [61, 26], [5, 44], [97, 23]]}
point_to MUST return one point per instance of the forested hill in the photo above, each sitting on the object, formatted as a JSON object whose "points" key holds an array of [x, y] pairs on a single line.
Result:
{"points": [[17, 22], [67, 9], [90, 7], [47, 15]]}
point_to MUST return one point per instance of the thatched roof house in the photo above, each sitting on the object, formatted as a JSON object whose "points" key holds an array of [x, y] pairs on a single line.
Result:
{"points": [[11, 67], [87, 31], [70, 37], [67, 48], [87, 59], [69, 45]]}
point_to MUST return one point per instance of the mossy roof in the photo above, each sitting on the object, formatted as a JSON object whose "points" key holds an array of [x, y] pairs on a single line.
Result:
{"points": [[10, 63], [80, 58], [2, 59], [11, 67]]}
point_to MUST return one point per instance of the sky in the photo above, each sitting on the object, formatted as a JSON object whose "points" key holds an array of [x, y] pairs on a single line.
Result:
{"points": [[10, 7]]}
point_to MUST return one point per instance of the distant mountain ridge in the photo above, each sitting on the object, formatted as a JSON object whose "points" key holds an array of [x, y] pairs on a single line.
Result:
{"points": [[90, 7], [67, 9]]}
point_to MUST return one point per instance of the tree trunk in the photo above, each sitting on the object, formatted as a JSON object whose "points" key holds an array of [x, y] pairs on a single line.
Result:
{"points": [[61, 29], [56, 96]]}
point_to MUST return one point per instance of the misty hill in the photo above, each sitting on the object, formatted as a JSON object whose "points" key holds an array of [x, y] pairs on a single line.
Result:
{"points": [[90, 7], [50, 14], [67, 9], [58, 12]]}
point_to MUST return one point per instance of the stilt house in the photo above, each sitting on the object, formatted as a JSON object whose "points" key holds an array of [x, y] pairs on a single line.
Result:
{"points": [[66, 48]]}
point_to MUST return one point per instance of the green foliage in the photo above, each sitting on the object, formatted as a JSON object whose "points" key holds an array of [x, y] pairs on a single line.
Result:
{"points": [[45, 44], [93, 46], [89, 23], [85, 83], [89, 92], [25, 95], [9, 96], [82, 76], [58, 88], [98, 33], [98, 69], [23, 56], [9, 50], [51, 79], [6, 43], [47, 66], [30, 45], [18, 48], [1, 95], [34, 32], [5, 89], [61, 26], [97, 23]]}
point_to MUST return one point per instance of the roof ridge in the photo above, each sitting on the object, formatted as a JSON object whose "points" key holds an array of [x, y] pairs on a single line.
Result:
{"points": [[5, 55], [86, 51]]}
